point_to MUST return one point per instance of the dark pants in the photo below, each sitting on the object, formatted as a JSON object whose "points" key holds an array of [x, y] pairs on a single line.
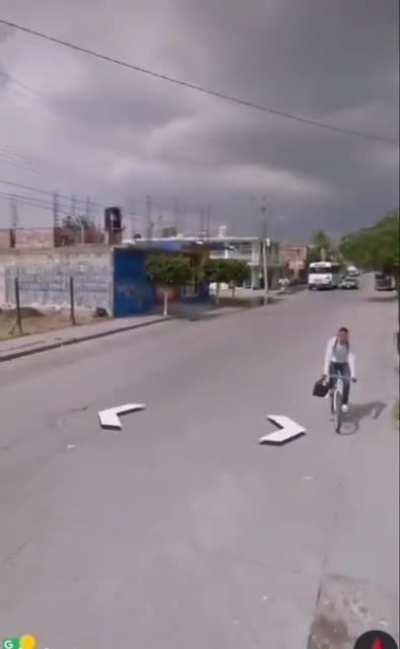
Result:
{"points": [[344, 370]]}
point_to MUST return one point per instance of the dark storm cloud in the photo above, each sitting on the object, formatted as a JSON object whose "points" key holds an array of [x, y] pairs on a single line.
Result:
{"points": [[121, 133], [315, 56]]}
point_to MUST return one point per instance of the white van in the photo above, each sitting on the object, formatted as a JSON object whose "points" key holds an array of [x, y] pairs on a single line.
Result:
{"points": [[352, 271], [323, 274]]}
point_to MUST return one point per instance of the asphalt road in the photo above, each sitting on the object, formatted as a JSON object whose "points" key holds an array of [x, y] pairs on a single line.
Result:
{"points": [[181, 531]]}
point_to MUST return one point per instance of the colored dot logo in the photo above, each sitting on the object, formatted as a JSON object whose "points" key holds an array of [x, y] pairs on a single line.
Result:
{"points": [[376, 640], [26, 642]]}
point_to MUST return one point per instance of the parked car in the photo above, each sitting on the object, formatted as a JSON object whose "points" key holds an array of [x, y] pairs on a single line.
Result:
{"points": [[384, 282], [352, 271], [349, 282]]}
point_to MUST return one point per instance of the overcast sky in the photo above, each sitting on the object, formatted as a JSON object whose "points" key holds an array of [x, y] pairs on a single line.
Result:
{"points": [[78, 125]]}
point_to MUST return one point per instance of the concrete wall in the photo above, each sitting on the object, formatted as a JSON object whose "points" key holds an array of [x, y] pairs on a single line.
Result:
{"points": [[5, 239], [34, 238], [44, 276], [27, 238]]}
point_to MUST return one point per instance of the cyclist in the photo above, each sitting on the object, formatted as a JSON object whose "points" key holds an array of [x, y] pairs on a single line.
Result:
{"points": [[340, 360]]}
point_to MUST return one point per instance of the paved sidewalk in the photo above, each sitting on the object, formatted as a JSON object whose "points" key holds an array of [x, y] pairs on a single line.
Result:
{"points": [[32, 344], [35, 343]]}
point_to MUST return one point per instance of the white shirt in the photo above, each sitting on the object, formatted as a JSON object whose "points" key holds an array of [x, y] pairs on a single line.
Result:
{"points": [[330, 357]]}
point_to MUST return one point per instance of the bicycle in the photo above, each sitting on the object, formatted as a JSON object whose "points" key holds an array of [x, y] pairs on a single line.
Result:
{"points": [[336, 399]]}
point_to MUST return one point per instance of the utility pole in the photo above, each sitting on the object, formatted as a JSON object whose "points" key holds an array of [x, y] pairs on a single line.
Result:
{"points": [[88, 210], [85, 221], [82, 226], [264, 248], [202, 223], [73, 206], [182, 215], [175, 212], [208, 228], [56, 221], [56, 212], [132, 219], [14, 219], [149, 224], [160, 225]]}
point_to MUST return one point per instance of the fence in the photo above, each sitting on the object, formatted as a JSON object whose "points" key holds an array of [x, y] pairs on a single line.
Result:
{"points": [[66, 285], [70, 304], [44, 277]]}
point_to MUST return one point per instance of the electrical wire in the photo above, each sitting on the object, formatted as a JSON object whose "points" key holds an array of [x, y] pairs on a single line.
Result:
{"points": [[202, 89], [19, 165], [7, 151], [15, 81], [79, 201], [33, 202]]}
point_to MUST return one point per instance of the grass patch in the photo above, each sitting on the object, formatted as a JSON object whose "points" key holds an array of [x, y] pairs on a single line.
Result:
{"points": [[40, 322]]}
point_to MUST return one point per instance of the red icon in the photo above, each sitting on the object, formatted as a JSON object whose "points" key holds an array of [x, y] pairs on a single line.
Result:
{"points": [[376, 640], [378, 645]]}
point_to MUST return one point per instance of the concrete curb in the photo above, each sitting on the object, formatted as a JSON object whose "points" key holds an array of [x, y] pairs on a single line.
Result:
{"points": [[78, 339]]}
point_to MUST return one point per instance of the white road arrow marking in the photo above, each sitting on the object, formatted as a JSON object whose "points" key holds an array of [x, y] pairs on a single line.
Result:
{"points": [[110, 418], [288, 430]]}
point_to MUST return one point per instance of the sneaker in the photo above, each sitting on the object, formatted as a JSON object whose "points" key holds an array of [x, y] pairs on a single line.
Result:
{"points": [[345, 408]]}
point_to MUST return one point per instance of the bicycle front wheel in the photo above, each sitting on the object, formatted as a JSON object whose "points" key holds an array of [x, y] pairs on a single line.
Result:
{"points": [[338, 411]]}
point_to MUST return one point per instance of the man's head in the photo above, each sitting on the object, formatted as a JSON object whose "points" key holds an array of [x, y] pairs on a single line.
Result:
{"points": [[343, 336]]}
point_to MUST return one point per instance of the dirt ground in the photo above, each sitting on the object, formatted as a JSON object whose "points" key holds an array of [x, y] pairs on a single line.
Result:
{"points": [[35, 321]]}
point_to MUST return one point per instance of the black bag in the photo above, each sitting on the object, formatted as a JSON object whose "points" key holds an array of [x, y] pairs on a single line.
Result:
{"points": [[321, 388]]}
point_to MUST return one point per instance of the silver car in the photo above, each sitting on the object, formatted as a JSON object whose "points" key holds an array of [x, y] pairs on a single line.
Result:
{"points": [[349, 282]]}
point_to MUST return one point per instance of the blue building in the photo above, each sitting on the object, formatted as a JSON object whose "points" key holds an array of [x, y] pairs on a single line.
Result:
{"points": [[134, 293]]}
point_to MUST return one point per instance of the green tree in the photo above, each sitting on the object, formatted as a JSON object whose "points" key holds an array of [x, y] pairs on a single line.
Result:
{"points": [[375, 248], [226, 271], [169, 271], [239, 272], [322, 247], [216, 272]]}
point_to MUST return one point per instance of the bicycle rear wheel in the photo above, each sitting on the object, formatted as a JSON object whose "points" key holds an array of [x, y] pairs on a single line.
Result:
{"points": [[338, 411]]}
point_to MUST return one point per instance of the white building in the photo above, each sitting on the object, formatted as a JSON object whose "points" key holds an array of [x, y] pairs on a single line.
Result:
{"points": [[250, 250], [247, 249]]}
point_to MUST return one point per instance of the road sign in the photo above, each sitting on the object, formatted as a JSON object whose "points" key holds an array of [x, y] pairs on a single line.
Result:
{"points": [[110, 418], [288, 430]]}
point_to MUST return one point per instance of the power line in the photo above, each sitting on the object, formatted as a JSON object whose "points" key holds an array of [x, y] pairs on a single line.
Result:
{"points": [[198, 88], [7, 151], [47, 192], [18, 165], [15, 81], [39, 203], [31, 200]]}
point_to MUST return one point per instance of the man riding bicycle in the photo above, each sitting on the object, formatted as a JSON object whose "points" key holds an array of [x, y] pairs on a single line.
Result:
{"points": [[339, 360]]}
